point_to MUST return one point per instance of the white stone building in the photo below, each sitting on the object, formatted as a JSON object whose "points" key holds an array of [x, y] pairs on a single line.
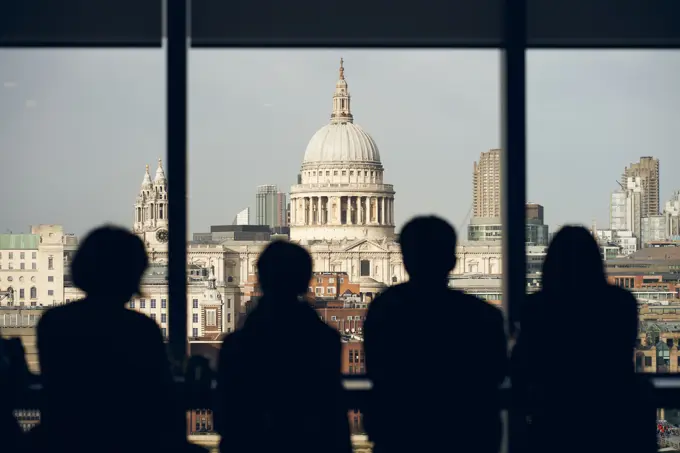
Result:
{"points": [[671, 214], [32, 266], [341, 194], [212, 302], [341, 211], [625, 208], [623, 238]]}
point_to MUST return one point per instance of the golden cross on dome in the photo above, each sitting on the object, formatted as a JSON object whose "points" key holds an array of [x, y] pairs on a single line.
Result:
{"points": [[342, 69]]}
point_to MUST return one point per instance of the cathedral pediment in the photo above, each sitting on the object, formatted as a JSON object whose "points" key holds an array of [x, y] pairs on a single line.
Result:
{"points": [[366, 246]]}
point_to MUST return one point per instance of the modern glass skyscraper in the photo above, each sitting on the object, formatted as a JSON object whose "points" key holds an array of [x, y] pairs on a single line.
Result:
{"points": [[271, 207]]}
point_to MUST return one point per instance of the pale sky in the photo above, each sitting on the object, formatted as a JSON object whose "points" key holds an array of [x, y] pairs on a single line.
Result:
{"points": [[78, 126]]}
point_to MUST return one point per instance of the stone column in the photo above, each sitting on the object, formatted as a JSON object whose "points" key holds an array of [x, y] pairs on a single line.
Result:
{"points": [[392, 211], [318, 210], [349, 211], [389, 212], [360, 213], [374, 209], [338, 211], [292, 211], [368, 210], [310, 212], [383, 220]]}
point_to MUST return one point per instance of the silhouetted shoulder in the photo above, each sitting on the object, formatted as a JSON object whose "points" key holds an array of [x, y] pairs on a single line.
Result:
{"points": [[329, 334], [62, 311], [389, 297], [481, 306], [621, 294], [231, 344], [82, 312]]}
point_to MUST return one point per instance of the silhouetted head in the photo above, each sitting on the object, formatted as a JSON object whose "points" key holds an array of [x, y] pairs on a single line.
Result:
{"points": [[284, 270], [109, 264], [428, 245], [573, 261]]}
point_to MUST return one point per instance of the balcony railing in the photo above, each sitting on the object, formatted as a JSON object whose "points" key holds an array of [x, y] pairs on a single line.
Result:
{"points": [[339, 187], [666, 392]]}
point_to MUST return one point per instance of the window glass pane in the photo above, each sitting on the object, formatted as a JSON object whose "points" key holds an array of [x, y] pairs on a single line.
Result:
{"points": [[602, 154], [263, 115], [79, 127]]}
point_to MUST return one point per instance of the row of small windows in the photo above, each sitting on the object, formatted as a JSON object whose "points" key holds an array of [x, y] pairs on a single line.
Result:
{"points": [[195, 303], [22, 266], [330, 280], [349, 318], [22, 255], [356, 357], [211, 315], [10, 278], [203, 421], [164, 317], [335, 173], [164, 303], [22, 304], [152, 302], [33, 291]]}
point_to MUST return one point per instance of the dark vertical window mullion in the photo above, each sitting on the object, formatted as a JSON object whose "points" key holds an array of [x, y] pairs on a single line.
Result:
{"points": [[513, 163], [513, 171], [176, 13]]}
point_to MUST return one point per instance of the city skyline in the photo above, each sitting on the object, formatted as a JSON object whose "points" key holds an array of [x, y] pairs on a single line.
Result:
{"points": [[80, 134]]}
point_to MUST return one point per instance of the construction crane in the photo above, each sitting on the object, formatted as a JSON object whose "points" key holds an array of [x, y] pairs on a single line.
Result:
{"points": [[466, 218]]}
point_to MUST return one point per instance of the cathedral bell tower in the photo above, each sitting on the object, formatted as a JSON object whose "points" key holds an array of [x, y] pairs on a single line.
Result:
{"points": [[151, 210]]}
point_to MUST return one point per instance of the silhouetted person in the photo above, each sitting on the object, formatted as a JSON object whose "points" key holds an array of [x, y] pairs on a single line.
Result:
{"points": [[436, 356], [106, 375], [573, 363], [279, 378], [11, 382]]}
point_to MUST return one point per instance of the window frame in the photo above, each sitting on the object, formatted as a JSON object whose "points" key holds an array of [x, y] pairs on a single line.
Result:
{"points": [[520, 25]]}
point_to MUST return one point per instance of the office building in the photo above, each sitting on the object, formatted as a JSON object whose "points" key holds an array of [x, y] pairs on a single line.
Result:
{"points": [[625, 208], [271, 207], [242, 218], [671, 215], [653, 229], [486, 185], [647, 169], [486, 229]]}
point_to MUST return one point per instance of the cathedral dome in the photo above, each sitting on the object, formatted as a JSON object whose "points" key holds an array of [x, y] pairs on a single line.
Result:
{"points": [[342, 142]]}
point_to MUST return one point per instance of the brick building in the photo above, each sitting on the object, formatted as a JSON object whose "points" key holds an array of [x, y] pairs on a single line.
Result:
{"points": [[332, 285]]}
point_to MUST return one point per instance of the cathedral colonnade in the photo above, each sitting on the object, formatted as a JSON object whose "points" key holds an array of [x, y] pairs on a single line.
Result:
{"points": [[342, 210]]}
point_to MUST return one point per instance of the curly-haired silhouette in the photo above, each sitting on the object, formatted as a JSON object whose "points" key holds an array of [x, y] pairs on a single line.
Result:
{"points": [[106, 376], [435, 387], [279, 378], [572, 375]]}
